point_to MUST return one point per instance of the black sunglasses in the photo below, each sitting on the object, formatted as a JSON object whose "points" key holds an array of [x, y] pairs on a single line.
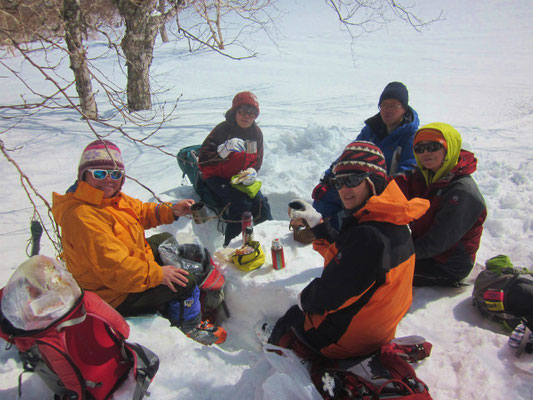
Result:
{"points": [[247, 111], [350, 181], [432, 147]]}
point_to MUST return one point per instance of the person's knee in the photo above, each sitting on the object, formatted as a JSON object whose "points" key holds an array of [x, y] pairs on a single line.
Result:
{"points": [[191, 285], [261, 209], [293, 318], [154, 241]]}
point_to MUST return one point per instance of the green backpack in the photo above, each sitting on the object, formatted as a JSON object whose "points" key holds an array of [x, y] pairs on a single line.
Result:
{"points": [[504, 293], [187, 159]]}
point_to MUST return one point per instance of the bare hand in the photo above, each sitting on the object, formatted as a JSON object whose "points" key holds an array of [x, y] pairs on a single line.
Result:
{"points": [[173, 275], [182, 207]]}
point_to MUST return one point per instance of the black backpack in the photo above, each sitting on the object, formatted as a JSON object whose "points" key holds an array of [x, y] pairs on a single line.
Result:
{"points": [[504, 293]]}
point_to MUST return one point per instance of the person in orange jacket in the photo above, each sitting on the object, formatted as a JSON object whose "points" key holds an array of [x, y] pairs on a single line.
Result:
{"points": [[365, 288], [105, 249]]}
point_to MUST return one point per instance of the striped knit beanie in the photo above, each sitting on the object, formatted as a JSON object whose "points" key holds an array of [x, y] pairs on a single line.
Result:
{"points": [[362, 157], [101, 154]]}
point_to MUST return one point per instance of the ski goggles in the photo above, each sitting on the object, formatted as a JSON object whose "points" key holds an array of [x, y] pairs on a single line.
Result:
{"points": [[432, 147], [101, 174], [349, 181]]}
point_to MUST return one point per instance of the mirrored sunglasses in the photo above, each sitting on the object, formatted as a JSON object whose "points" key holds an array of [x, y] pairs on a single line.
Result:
{"points": [[432, 147], [100, 174], [349, 181]]}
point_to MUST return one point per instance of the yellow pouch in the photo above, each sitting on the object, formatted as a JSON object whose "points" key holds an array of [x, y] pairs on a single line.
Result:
{"points": [[251, 261]]}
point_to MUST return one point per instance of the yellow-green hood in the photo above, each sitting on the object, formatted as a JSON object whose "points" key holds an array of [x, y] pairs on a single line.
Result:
{"points": [[454, 142]]}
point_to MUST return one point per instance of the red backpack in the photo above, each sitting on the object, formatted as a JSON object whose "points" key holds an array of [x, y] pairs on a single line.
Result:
{"points": [[84, 354], [386, 374]]}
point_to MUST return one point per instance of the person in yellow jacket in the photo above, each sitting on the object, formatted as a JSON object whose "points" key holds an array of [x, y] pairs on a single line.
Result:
{"points": [[366, 287], [105, 249]]}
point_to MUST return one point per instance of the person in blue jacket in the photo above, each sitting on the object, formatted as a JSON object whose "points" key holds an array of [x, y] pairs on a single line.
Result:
{"points": [[392, 129]]}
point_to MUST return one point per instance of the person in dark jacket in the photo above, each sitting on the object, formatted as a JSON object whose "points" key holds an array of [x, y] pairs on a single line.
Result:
{"points": [[392, 130], [224, 154], [447, 237], [365, 288]]}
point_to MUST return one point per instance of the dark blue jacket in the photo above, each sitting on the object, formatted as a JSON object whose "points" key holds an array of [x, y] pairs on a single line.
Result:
{"points": [[397, 146]]}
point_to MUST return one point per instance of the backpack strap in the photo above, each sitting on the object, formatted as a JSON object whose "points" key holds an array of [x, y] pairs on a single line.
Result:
{"points": [[145, 366], [73, 321], [401, 370], [524, 341], [98, 308], [34, 360]]}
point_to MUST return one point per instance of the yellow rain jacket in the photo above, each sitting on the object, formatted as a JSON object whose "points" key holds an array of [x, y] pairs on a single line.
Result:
{"points": [[103, 241]]}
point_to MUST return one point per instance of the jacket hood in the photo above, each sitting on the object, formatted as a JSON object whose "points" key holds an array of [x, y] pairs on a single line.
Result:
{"points": [[83, 192], [392, 206], [230, 116], [454, 142], [409, 123]]}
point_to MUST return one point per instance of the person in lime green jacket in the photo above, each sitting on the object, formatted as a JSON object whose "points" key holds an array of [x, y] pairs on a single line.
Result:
{"points": [[448, 235]]}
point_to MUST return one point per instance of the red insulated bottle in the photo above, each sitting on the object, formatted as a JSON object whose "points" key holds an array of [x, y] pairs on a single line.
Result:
{"points": [[278, 258]]}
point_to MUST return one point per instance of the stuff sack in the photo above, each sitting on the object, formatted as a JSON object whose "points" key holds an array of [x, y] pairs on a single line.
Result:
{"points": [[385, 374], [187, 159], [197, 260], [186, 313], [84, 353], [504, 293]]}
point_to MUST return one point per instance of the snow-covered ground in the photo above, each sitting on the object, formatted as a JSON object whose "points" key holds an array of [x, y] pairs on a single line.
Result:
{"points": [[472, 70]]}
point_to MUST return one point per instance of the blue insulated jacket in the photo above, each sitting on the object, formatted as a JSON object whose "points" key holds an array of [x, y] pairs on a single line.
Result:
{"points": [[397, 146]]}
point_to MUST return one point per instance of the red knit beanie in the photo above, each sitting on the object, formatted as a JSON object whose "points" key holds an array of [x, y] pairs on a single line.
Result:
{"points": [[363, 157], [100, 154], [245, 98]]}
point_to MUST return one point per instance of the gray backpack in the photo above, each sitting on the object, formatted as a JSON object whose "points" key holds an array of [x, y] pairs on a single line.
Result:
{"points": [[504, 293]]}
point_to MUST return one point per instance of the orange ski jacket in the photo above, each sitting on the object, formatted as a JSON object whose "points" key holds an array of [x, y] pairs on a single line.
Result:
{"points": [[366, 286]]}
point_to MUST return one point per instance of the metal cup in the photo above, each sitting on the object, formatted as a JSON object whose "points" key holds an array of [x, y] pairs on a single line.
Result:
{"points": [[199, 212], [251, 146]]}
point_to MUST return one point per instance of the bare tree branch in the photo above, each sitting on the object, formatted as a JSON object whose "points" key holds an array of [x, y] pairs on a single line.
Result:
{"points": [[34, 34], [31, 193], [359, 17]]}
